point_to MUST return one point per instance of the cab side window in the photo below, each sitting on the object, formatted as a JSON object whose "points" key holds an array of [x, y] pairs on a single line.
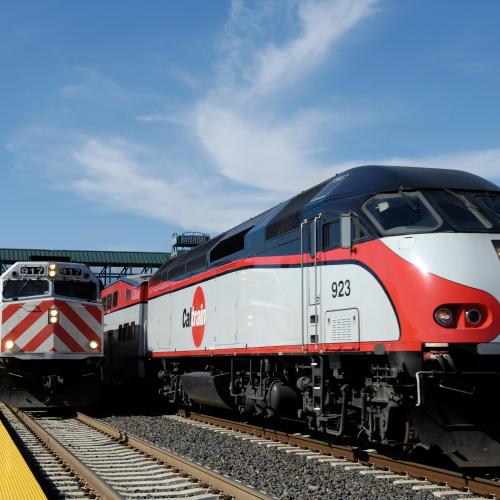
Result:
{"points": [[331, 234]]}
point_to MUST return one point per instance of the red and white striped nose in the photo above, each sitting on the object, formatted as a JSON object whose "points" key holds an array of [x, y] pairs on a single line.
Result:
{"points": [[51, 326]]}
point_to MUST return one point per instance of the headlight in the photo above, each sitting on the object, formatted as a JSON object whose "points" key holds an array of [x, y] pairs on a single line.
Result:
{"points": [[9, 344], [53, 315], [444, 317], [93, 344], [52, 270], [473, 316]]}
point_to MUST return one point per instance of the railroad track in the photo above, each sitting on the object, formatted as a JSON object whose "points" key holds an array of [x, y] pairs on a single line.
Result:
{"points": [[441, 482], [80, 457]]}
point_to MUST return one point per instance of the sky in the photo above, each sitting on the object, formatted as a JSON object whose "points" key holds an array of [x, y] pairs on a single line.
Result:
{"points": [[123, 122]]}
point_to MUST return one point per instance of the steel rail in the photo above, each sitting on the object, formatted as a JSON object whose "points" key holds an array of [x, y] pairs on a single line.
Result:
{"points": [[220, 483], [453, 479], [93, 481]]}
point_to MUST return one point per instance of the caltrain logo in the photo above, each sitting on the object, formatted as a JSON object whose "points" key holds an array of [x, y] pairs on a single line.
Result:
{"points": [[196, 317]]}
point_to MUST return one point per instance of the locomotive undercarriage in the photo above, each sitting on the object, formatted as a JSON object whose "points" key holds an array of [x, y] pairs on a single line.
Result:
{"points": [[48, 383], [397, 400]]}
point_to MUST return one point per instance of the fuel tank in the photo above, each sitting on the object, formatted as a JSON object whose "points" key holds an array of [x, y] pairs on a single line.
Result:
{"points": [[208, 389]]}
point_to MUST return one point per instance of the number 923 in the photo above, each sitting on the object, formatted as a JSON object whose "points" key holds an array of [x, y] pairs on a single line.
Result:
{"points": [[341, 288]]}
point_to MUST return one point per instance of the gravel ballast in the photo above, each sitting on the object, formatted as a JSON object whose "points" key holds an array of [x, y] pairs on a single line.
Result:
{"points": [[279, 474]]}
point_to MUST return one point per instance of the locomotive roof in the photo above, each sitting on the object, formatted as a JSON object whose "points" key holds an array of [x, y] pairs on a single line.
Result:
{"points": [[363, 180], [371, 179], [381, 178], [135, 279]]}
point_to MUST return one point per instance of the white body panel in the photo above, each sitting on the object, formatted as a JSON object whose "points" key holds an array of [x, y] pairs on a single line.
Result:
{"points": [[269, 307], [448, 255], [262, 307], [126, 315], [159, 324], [376, 316]]}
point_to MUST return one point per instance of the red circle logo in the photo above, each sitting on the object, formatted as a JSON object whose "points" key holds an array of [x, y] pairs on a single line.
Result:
{"points": [[199, 316]]}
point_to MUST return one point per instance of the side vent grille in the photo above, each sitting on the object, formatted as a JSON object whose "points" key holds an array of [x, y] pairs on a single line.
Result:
{"points": [[342, 326]]}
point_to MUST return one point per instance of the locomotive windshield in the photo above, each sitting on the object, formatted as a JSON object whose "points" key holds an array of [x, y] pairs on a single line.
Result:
{"points": [[401, 213], [14, 289], [84, 290], [490, 202], [460, 211], [422, 212]]}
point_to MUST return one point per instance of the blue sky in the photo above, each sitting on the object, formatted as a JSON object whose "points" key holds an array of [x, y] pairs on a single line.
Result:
{"points": [[122, 122]]}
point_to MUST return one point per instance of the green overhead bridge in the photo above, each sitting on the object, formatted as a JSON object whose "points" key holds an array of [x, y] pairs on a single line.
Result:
{"points": [[108, 266]]}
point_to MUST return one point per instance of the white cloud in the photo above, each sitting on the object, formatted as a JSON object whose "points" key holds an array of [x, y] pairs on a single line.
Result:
{"points": [[123, 176], [322, 23], [276, 155], [126, 177], [237, 122]]}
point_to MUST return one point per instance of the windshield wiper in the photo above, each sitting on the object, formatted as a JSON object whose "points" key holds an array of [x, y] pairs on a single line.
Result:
{"points": [[23, 286], [468, 204], [486, 207], [472, 208]]}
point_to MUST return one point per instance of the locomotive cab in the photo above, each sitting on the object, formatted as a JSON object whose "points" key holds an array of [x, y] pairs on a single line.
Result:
{"points": [[450, 240], [50, 335]]}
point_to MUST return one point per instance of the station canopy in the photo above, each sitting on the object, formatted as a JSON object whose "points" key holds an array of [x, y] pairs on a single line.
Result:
{"points": [[108, 265]]}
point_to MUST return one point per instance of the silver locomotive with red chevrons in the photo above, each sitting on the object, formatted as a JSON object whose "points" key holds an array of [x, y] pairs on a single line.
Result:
{"points": [[50, 334], [366, 306]]}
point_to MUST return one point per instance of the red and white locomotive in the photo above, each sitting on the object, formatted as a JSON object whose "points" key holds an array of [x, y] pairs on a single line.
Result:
{"points": [[50, 334], [366, 306]]}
